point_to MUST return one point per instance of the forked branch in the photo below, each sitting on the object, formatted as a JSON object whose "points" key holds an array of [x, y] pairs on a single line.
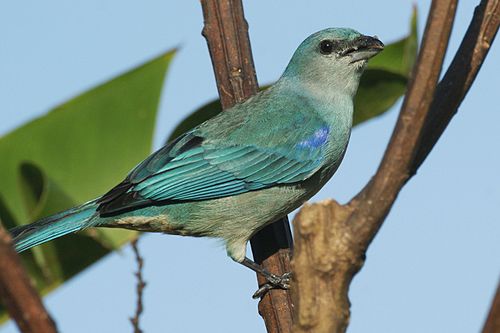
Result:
{"points": [[332, 239]]}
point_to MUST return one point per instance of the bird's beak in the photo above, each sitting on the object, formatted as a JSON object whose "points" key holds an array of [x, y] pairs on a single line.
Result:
{"points": [[363, 48]]}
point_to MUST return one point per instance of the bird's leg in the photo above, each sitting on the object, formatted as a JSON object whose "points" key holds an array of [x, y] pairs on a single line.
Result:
{"points": [[273, 281]]}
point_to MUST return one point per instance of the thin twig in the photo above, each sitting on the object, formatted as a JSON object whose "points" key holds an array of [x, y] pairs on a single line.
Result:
{"points": [[226, 32], [139, 308], [16, 292]]}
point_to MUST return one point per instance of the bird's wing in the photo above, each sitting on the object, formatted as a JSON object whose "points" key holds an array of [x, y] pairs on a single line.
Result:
{"points": [[200, 166]]}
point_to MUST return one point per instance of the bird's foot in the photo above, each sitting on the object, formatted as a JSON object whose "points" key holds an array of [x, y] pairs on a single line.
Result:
{"points": [[273, 282]]}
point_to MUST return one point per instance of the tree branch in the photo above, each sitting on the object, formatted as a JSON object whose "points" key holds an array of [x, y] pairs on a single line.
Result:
{"points": [[460, 75], [16, 292], [375, 200], [332, 239], [226, 32], [492, 324]]}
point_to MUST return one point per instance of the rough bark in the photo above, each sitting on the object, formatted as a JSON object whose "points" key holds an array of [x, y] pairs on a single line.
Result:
{"points": [[20, 298], [332, 239], [226, 32], [324, 263]]}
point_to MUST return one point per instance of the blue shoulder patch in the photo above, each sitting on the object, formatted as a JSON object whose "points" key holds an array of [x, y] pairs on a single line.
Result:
{"points": [[316, 140]]}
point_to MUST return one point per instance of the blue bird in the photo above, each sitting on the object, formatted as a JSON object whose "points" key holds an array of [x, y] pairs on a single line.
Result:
{"points": [[246, 167]]}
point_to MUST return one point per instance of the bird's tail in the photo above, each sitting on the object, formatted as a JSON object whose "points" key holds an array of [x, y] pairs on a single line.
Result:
{"points": [[54, 226]]}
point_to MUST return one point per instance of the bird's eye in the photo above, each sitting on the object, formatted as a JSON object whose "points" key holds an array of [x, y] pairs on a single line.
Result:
{"points": [[326, 47]]}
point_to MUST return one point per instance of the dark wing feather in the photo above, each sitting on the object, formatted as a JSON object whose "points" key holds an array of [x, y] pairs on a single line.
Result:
{"points": [[122, 197]]}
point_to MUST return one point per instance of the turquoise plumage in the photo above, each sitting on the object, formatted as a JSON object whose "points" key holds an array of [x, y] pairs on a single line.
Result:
{"points": [[244, 168], [54, 226]]}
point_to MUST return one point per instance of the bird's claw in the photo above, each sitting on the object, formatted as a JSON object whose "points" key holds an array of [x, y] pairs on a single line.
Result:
{"points": [[274, 282]]}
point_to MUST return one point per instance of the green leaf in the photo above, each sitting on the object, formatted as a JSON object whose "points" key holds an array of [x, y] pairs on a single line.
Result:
{"points": [[399, 57], [42, 197], [72, 154], [377, 93], [58, 260], [386, 77], [89, 143], [382, 84]]}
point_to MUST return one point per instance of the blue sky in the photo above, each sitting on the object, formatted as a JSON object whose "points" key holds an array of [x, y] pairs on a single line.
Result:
{"points": [[434, 265]]}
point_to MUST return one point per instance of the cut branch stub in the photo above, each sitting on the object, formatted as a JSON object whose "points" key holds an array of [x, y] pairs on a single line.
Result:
{"points": [[324, 246]]}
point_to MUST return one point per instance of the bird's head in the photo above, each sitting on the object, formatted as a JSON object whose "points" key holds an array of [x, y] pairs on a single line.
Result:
{"points": [[333, 58]]}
